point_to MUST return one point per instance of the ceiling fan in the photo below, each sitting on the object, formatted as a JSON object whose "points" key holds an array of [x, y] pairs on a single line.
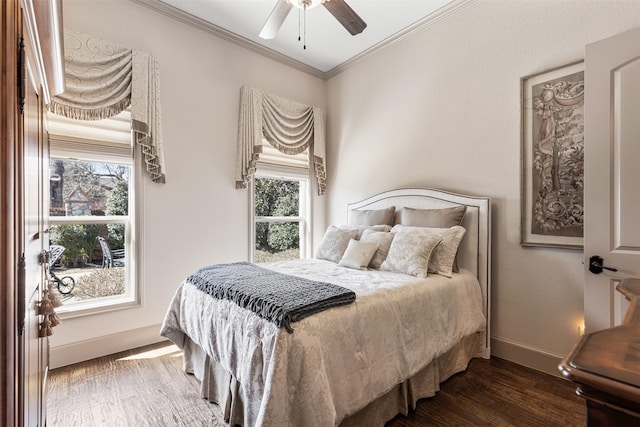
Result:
{"points": [[338, 8]]}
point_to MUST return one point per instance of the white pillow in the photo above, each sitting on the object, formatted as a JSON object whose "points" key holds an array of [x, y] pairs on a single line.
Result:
{"points": [[334, 243], [444, 255], [358, 254], [410, 253], [384, 242]]}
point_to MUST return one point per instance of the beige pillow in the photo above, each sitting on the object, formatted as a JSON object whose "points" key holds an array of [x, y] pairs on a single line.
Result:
{"points": [[383, 239], [410, 253], [334, 243], [443, 258], [361, 228], [435, 218], [372, 216], [358, 254]]}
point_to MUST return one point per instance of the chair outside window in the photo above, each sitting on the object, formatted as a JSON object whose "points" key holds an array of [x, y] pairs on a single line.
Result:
{"points": [[110, 258]]}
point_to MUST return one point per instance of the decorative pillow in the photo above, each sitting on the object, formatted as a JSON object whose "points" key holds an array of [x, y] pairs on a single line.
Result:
{"points": [[435, 218], [334, 243], [372, 216], [410, 253], [443, 258], [383, 239], [361, 228], [358, 254]]}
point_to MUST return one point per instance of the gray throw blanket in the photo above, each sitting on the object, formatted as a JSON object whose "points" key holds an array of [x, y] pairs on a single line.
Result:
{"points": [[279, 298]]}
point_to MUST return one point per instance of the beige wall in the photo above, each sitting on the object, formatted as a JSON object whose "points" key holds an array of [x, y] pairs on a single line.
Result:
{"points": [[197, 217], [441, 109]]}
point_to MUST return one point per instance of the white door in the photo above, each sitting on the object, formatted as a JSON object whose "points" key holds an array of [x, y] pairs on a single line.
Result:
{"points": [[612, 174]]}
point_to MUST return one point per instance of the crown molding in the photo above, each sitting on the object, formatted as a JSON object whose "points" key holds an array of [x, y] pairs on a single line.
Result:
{"points": [[217, 31], [401, 35]]}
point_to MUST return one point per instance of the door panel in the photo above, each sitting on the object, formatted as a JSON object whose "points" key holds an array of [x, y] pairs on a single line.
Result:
{"points": [[626, 175], [23, 178], [33, 223], [612, 156]]}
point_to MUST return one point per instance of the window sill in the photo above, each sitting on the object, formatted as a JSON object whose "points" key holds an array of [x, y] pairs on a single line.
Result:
{"points": [[97, 306]]}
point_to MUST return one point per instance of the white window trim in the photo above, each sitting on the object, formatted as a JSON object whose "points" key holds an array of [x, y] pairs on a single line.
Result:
{"points": [[71, 148], [290, 174], [132, 297]]}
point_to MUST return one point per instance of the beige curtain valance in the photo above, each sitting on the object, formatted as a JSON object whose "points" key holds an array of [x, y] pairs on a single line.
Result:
{"points": [[287, 125], [102, 79]]}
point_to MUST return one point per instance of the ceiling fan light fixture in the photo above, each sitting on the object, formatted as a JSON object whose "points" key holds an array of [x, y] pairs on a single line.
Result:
{"points": [[306, 4], [340, 10]]}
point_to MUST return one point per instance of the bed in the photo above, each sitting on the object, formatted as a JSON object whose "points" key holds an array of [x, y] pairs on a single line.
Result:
{"points": [[356, 364]]}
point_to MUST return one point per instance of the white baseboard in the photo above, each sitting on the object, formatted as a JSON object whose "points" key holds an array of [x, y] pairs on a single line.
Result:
{"points": [[530, 357], [102, 346]]}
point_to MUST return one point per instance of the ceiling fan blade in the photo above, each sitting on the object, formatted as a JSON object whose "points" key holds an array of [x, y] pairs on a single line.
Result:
{"points": [[275, 19], [346, 16]]}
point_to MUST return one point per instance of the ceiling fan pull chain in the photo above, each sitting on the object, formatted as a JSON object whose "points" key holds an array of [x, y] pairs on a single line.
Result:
{"points": [[305, 27], [299, 12]]}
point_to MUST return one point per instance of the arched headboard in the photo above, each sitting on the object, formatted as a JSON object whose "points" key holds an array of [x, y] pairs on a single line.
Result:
{"points": [[474, 252]]}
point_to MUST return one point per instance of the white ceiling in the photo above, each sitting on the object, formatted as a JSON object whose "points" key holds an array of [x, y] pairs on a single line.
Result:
{"points": [[329, 45]]}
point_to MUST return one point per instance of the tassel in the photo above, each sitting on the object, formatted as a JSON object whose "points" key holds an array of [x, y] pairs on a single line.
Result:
{"points": [[53, 297], [45, 328], [54, 320], [55, 301], [46, 307]]}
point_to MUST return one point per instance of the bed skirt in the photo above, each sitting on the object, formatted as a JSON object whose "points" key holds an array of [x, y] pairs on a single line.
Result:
{"points": [[218, 386]]}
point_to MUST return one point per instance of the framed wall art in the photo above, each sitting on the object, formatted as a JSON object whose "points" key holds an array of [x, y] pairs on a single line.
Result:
{"points": [[552, 157]]}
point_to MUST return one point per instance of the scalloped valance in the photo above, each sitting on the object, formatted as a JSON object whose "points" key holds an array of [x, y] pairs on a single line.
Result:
{"points": [[287, 125], [102, 79]]}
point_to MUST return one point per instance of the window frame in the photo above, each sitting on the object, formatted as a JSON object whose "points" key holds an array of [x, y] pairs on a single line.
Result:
{"points": [[304, 218], [80, 149]]}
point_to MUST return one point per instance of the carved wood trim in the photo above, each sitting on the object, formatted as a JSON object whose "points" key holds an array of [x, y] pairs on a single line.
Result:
{"points": [[43, 21], [9, 11], [604, 364], [43, 30]]}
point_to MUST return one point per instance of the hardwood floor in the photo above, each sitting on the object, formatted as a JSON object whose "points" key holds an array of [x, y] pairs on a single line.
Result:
{"points": [[147, 387], [499, 393]]}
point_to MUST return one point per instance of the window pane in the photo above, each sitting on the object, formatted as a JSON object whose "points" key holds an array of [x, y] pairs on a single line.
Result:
{"points": [[88, 188], [277, 197], [277, 241], [80, 267]]}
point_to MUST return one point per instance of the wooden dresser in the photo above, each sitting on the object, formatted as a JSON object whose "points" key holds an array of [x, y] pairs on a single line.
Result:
{"points": [[606, 367]]}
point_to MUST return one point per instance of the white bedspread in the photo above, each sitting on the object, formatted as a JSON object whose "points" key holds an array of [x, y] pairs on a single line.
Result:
{"points": [[337, 361]]}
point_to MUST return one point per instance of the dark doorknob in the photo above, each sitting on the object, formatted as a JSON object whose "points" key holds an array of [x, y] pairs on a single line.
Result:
{"points": [[596, 265]]}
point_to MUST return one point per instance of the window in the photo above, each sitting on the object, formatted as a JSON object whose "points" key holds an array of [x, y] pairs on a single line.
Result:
{"points": [[280, 207], [91, 213]]}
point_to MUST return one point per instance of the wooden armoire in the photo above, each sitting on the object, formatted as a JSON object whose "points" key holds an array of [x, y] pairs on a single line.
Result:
{"points": [[32, 72]]}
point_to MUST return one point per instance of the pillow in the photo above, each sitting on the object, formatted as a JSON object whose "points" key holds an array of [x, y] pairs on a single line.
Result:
{"points": [[372, 216], [410, 253], [358, 254], [334, 243], [361, 228], [443, 258], [436, 218], [384, 242]]}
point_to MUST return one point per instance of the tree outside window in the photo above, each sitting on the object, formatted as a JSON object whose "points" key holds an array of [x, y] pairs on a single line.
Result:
{"points": [[89, 199], [278, 218]]}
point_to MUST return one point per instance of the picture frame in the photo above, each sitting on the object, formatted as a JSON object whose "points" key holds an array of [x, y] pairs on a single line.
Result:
{"points": [[552, 157]]}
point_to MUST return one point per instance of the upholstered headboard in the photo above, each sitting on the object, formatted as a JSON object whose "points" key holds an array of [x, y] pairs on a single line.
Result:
{"points": [[474, 252]]}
